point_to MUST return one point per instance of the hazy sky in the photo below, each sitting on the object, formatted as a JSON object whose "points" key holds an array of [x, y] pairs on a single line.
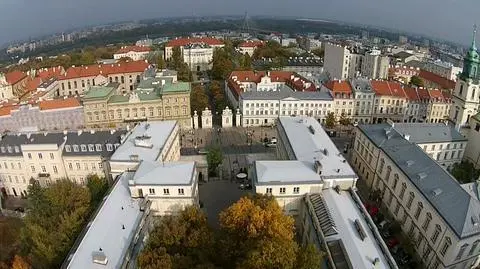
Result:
{"points": [[448, 19]]}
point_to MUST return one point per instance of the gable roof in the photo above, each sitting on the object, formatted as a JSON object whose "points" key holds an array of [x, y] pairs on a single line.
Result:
{"points": [[14, 77], [388, 88], [127, 49], [189, 40], [453, 204], [52, 72], [411, 93], [105, 69], [339, 86], [251, 44], [442, 82], [59, 103]]}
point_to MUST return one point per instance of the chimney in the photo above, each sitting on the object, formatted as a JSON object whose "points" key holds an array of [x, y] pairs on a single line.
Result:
{"points": [[79, 132], [407, 137]]}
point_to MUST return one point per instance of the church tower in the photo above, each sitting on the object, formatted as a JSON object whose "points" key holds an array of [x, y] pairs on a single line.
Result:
{"points": [[466, 93]]}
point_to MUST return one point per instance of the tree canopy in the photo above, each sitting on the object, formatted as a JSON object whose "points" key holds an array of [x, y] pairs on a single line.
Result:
{"points": [[222, 63], [198, 99], [330, 120], [254, 234], [416, 81], [214, 158]]}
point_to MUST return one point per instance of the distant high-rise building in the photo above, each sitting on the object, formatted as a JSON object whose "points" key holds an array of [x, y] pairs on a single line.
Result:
{"points": [[375, 65], [402, 39]]}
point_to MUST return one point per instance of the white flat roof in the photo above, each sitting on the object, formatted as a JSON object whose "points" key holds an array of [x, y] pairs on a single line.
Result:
{"points": [[158, 131], [106, 230], [310, 142], [344, 212], [170, 173], [271, 172]]}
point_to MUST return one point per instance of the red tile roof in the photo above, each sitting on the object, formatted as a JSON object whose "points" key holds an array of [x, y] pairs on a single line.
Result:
{"points": [[423, 94], [291, 79], [32, 84], [14, 77], [59, 103], [105, 69], [388, 88], [188, 40], [133, 48], [412, 94], [442, 82], [52, 72], [339, 86], [5, 110], [251, 44]]}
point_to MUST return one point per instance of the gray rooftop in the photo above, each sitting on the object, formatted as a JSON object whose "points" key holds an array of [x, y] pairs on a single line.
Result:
{"points": [[361, 85], [106, 230], [273, 172], [154, 133], [10, 145], [421, 133], [310, 142], [170, 173], [454, 204], [104, 138], [286, 92]]}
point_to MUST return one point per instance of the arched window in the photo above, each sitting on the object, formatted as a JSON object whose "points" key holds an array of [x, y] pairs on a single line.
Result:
{"points": [[389, 170], [445, 246], [428, 219], [382, 164], [474, 247], [402, 191], [473, 93], [461, 251], [461, 89], [474, 71], [395, 182], [419, 210], [411, 196], [436, 233]]}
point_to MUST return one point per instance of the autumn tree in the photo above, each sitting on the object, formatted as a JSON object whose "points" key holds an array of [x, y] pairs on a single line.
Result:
{"points": [[181, 241], [344, 120], [214, 159], [318, 52], [57, 215], [246, 62], [330, 120], [20, 263], [309, 257], [198, 99], [222, 63], [10, 234]]}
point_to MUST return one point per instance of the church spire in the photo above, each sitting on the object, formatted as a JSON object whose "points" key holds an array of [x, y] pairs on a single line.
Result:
{"points": [[474, 36]]}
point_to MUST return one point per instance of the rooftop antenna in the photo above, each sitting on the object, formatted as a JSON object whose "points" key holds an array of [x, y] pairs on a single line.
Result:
{"points": [[246, 24]]}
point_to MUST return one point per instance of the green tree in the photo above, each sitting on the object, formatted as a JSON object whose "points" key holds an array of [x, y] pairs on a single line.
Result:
{"points": [[416, 81], [246, 62], [309, 257], [344, 120], [10, 238], [176, 60], [183, 241], [330, 120], [98, 187], [465, 172], [57, 215], [214, 158], [198, 99], [222, 63]]}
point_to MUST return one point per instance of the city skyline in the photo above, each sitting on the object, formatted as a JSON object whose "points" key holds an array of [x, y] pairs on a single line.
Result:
{"points": [[454, 24]]}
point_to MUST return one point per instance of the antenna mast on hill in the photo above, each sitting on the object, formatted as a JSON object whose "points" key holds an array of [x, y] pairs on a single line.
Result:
{"points": [[246, 24]]}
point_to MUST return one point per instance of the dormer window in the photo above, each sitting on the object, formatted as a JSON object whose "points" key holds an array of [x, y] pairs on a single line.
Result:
{"points": [[68, 148], [17, 149], [91, 147], [117, 145], [2, 149], [10, 150], [98, 147], [83, 147], [109, 147], [75, 148]]}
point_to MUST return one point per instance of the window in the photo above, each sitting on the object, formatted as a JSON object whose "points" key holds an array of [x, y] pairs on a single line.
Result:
{"points": [[390, 198], [389, 170], [68, 148], [474, 247], [397, 208], [410, 200], [419, 210], [91, 147], [32, 168], [44, 169], [166, 191], [78, 166], [29, 155], [51, 156], [269, 191], [85, 165], [19, 165], [427, 222], [94, 167], [181, 192], [100, 165], [436, 233], [75, 148], [282, 190], [109, 147], [70, 166], [445, 246], [426, 253], [83, 148], [382, 164], [98, 147], [402, 191], [151, 191], [395, 182], [461, 252], [55, 170], [296, 189]]}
